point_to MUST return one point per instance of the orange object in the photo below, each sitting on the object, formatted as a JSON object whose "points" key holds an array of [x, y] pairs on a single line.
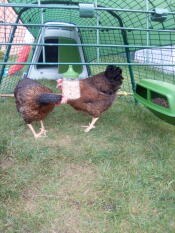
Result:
{"points": [[22, 57]]}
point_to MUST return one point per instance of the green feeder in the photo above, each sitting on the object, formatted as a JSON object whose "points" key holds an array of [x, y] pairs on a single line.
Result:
{"points": [[158, 97], [70, 73]]}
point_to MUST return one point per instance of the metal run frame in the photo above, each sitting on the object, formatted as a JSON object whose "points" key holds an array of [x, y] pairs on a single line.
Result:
{"points": [[75, 6]]}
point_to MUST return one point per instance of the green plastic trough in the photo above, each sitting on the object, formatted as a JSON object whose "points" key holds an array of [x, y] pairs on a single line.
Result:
{"points": [[158, 97]]}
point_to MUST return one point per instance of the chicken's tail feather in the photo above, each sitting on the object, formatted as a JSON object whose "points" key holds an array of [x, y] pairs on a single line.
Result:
{"points": [[49, 98]]}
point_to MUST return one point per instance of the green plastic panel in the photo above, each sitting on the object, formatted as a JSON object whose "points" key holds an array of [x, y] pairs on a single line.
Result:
{"points": [[164, 117], [68, 54], [158, 97]]}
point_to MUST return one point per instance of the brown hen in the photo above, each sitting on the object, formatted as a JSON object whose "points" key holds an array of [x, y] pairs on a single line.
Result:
{"points": [[35, 101], [93, 95]]}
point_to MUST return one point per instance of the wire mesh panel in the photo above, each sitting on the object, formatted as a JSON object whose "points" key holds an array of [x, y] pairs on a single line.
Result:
{"points": [[137, 35], [12, 73]]}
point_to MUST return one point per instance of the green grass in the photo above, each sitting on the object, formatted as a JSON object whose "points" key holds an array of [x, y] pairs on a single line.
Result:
{"points": [[117, 178]]}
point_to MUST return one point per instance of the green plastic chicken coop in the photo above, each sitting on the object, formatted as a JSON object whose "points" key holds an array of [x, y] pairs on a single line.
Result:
{"points": [[138, 36]]}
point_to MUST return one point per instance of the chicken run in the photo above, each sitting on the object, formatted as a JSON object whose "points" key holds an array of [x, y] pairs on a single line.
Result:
{"points": [[74, 40]]}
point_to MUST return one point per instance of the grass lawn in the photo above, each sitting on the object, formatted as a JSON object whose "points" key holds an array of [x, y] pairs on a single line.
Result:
{"points": [[118, 178]]}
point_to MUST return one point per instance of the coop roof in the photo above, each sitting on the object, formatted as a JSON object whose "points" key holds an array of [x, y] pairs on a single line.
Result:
{"points": [[133, 19]]}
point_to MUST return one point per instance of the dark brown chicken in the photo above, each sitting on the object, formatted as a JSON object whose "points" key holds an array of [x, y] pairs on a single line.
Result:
{"points": [[35, 101], [96, 93]]}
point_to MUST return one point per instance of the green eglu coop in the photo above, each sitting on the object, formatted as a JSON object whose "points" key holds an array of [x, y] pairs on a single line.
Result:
{"points": [[51, 39]]}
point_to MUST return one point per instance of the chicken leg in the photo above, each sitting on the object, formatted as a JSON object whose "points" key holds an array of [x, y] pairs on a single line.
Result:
{"points": [[43, 130], [91, 125], [41, 133]]}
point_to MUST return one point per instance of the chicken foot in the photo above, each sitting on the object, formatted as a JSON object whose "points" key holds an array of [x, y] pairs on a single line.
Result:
{"points": [[91, 124], [42, 132]]}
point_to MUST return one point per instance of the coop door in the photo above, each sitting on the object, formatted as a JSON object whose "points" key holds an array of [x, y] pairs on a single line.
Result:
{"points": [[48, 54]]}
